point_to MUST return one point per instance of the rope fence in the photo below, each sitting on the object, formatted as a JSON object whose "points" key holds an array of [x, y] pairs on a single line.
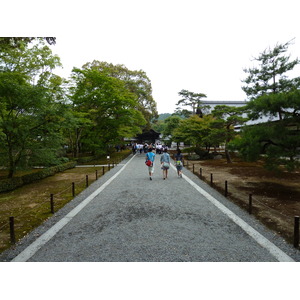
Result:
{"points": [[47, 205], [225, 190]]}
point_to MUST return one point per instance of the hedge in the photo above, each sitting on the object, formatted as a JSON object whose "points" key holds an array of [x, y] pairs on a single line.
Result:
{"points": [[86, 159], [10, 184]]}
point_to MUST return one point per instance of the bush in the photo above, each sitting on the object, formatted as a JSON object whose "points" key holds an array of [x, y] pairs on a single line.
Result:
{"points": [[10, 184], [13, 183], [193, 157], [86, 159]]}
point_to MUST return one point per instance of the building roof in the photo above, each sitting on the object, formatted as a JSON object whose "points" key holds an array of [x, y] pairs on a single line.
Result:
{"points": [[225, 102]]}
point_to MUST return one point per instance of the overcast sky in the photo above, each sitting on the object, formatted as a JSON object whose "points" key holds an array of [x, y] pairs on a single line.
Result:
{"points": [[201, 46], [198, 45]]}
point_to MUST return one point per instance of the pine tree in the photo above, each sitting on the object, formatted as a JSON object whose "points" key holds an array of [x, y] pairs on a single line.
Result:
{"points": [[270, 76]]}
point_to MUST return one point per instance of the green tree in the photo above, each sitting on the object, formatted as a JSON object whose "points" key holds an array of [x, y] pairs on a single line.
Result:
{"points": [[29, 123], [32, 60], [136, 82], [226, 118], [171, 123], [278, 140], [158, 125], [270, 75], [110, 107], [17, 42], [29, 114], [193, 131], [273, 95], [74, 129], [193, 100]]}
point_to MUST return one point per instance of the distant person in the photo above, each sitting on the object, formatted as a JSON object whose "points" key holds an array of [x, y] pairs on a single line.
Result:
{"points": [[179, 163], [145, 148], [134, 148], [165, 163], [158, 148], [140, 148], [150, 157]]}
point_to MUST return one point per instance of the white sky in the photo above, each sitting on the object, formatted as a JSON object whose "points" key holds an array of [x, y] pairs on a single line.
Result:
{"points": [[201, 46]]}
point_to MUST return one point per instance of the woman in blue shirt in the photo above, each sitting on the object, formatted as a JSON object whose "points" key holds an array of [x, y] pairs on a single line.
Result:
{"points": [[150, 156]]}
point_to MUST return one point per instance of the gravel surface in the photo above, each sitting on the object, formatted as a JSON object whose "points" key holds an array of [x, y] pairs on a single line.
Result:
{"points": [[138, 220]]}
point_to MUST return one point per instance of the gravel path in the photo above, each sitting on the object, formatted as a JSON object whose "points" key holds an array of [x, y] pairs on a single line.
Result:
{"points": [[127, 217]]}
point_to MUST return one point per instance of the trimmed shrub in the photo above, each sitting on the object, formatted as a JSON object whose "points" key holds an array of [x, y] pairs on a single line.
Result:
{"points": [[13, 183], [86, 159], [10, 184]]}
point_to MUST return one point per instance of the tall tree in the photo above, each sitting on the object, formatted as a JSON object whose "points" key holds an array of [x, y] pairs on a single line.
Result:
{"points": [[137, 83], [29, 123], [32, 60], [272, 94], [192, 99], [110, 107], [29, 113], [270, 76], [226, 118]]}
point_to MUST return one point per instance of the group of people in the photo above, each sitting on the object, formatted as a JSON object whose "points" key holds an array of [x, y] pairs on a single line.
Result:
{"points": [[140, 148], [165, 162]]}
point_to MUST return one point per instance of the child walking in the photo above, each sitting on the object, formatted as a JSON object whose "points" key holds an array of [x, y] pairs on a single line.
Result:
{"points": [[179, 163]]}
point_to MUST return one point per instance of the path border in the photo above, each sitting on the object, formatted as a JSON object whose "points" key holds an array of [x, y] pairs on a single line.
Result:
{"points": [[259, 238], [28, 252]]}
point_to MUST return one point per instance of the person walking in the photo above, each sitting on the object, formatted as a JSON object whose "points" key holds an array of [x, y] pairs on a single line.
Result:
{"points": [[165, 163], [179, 162], [150, 156]]}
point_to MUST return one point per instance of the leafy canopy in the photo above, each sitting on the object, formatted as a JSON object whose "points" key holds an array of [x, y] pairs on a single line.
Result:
{"points": [[109, 105]]}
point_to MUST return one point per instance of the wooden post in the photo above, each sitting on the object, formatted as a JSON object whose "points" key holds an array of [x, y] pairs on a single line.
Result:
{"points": [[103, 170], [226, 188], [12, 230], [296, 232], [52, 203], [201, 173], [250, 204], [87, 180], [193, 168], [73, 189], [96, 174], [211, 179]]}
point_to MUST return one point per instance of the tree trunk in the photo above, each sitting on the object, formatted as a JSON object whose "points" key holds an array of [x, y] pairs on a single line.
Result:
{"points": [[12, 166], [78, 136], [227, 155]]}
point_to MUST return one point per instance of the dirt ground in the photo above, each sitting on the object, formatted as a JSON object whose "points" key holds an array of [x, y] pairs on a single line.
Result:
{"points": [[275, 197]]}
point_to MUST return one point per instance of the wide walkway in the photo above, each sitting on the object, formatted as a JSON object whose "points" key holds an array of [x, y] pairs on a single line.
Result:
{"points": [[126, 217]]}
